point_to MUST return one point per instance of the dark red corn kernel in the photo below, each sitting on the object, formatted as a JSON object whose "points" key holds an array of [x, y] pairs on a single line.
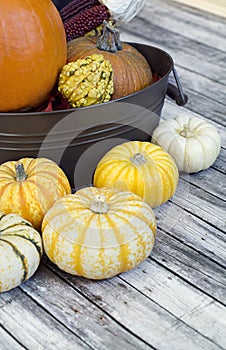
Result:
{"points": [[85, 21], [75, 7]]}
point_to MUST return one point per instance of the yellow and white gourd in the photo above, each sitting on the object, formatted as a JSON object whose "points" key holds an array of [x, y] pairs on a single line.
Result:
{"points": [[98, 233], [30, 186], [192, 142], [20, 251], [140, 167]]}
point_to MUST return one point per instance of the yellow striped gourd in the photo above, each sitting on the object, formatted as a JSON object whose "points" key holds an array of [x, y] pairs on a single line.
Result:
{"points": [[30, 186], [98, 233], [20, 251], [140, 167]]}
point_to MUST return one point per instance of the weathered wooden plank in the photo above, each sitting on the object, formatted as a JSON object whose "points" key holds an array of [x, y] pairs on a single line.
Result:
{"points": [[32, 326], [78, 314], [7, 342], [196, 34], [204, 180], [187, 303], [206, 29], [189, 53], [201, 204], [213, 90], [192, 231], [140, 314], [190, 265], [217, 7], [220, 163], [203, 106], [185, 52]]}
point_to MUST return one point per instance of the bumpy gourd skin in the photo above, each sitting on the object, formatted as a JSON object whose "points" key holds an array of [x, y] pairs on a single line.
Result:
{"points": [[87, 81]]}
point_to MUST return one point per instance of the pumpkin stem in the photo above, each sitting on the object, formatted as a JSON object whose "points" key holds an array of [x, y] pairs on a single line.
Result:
{"points": [[20, 172], [99, 205], [138, 159], [110, 39], [186, 132]]}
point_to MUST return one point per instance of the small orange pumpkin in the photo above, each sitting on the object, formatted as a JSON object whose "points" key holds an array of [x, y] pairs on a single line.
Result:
{"points": [[30, 186], [131, 69], [33, 51]]}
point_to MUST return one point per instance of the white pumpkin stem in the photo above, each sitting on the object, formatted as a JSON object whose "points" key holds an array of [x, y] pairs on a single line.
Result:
{"points": [[187, 132], [99, 205], [20, 172], [138, 159]]}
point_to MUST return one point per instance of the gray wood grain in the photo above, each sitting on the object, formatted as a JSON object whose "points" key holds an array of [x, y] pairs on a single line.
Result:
{"points": [[8, 342], [189, 264], [192, 231], [220, 163], [141, 315], [170, 292], [32, 326], [184, 301], [201, 204], [79, 315]]}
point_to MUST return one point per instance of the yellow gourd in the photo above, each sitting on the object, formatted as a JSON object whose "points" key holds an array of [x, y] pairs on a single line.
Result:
{"points": [[87, 81], [30, 186], [140, 167], [98, 233]]}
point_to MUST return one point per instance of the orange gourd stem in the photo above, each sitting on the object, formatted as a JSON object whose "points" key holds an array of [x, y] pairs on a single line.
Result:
{"points": [[110, 39]]}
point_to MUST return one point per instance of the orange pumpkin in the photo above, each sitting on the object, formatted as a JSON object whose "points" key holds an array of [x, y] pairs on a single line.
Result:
{"points": [[131, 69], [33, 51]]}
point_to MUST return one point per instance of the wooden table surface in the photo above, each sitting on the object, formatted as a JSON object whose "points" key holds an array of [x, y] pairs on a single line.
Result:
{"points": [[176, 298]]}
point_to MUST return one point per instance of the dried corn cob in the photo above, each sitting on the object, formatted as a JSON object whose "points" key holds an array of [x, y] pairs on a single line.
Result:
{"points": [[75, 7], [87, 81], [85, 21], [98, 31]]}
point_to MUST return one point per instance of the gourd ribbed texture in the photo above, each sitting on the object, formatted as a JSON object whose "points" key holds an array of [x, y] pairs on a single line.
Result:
{"points": [[98, 233], [140, 167], [32, 197], [193, 143], [20, 251]]}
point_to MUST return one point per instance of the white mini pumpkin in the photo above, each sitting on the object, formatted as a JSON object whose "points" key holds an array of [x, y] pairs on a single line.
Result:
{"points": [[20, 251], [98, 233], [123, 11], [192, 142]]}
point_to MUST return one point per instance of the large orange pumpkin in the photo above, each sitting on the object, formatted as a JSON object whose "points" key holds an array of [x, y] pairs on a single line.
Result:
{"points": [[131, 69], [33, 51]]}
